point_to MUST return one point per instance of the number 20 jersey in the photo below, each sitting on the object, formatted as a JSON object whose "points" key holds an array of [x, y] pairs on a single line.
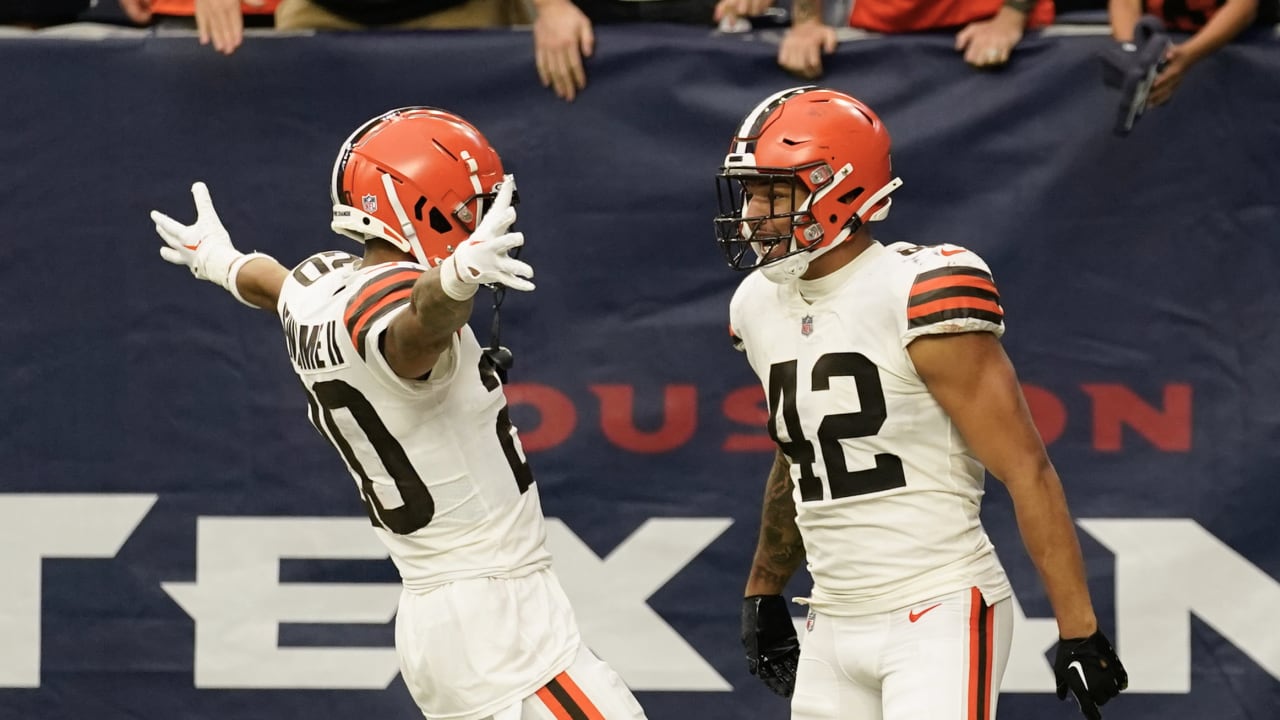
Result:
{"points": [[887, 492], [438, 465]]}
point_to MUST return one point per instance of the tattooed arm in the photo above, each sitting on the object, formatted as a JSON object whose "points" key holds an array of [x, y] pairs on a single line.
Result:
{"points": [[779, 551], [422, 332], [805, 11]]}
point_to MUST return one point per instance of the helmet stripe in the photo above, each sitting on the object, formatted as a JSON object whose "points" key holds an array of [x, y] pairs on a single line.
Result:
{"points": [[340, 164], [344, 154], [751, 125]]}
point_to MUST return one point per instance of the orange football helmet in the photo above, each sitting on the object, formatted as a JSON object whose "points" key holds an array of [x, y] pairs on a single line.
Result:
{"points": [[417, 177], [823, 140]]}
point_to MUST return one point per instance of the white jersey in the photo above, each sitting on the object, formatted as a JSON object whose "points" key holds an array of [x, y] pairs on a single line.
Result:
{"points": [[887, 492], [437, 463]]}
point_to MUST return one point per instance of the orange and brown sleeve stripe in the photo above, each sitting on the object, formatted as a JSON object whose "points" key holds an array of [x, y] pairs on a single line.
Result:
{"points": [[735, 339], [566, 701], [953, 292], [981, 630], [383, 293]]}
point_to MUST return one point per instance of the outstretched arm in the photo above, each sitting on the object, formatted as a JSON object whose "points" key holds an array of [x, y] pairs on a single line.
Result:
{"points": [[259, 281], [421, 332], [205, 248], [442, 296]]}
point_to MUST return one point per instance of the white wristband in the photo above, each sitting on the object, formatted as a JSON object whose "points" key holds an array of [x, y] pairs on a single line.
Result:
{"points": [[452, 285], [234, 270], [213, 263]]}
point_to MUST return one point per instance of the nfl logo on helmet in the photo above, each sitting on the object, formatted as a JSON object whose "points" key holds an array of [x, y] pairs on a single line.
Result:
{"points": [[369, 203], [806, 325]]}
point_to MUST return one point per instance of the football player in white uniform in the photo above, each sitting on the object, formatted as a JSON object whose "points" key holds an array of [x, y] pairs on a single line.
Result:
{"points": [[889, 393], [397, 382]]}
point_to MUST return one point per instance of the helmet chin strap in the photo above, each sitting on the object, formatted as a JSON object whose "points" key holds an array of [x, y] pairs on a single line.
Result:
{"points": [[791, 268], [787, 270]]}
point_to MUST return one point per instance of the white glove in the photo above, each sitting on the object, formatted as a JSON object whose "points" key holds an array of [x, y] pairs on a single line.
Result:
{"points": [[482, 259], [205, 247]]}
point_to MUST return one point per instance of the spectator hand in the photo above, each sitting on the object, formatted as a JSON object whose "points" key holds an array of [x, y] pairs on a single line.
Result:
{"points": [[769, 637], [562, 36], [482, 259], [1178, 61], [1089, 669], [221, 22], [803, 46], [988, 43], [138, 11], [730, 10]]}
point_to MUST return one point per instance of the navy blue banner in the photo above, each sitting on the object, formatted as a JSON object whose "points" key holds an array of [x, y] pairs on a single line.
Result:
{"points": [[178, 542]]}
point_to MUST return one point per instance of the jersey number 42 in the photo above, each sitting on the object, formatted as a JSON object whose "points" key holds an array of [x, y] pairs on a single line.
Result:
{"points": [[841, 481]]}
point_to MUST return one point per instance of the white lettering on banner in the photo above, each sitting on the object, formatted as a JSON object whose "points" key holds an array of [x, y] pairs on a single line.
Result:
{"points": [[1167, 569], [53, 526], [609, 597], [238, 603]]}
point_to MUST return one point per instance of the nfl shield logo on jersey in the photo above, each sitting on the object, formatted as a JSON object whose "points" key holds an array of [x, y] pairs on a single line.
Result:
{"points": [[369, 203], [806, 325]]}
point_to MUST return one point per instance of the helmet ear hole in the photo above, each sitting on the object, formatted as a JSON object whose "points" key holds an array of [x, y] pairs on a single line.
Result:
{"points": [[417, 208], [852, 195]]}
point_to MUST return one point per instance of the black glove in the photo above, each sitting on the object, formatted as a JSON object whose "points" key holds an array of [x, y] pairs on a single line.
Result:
{"points": [[769, 637], [1089, 668]]}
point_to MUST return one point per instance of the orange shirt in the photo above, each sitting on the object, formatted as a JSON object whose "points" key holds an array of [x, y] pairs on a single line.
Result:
{"points": [[188, 7], [895, 16], [1188, 16]]}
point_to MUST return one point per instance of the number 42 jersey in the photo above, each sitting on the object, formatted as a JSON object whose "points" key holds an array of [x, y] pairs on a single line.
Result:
{"points": [[887, 492], [438, 464]]}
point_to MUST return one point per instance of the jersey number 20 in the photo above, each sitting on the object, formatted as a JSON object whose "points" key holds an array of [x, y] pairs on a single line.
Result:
{"points": [[418, 507]]}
